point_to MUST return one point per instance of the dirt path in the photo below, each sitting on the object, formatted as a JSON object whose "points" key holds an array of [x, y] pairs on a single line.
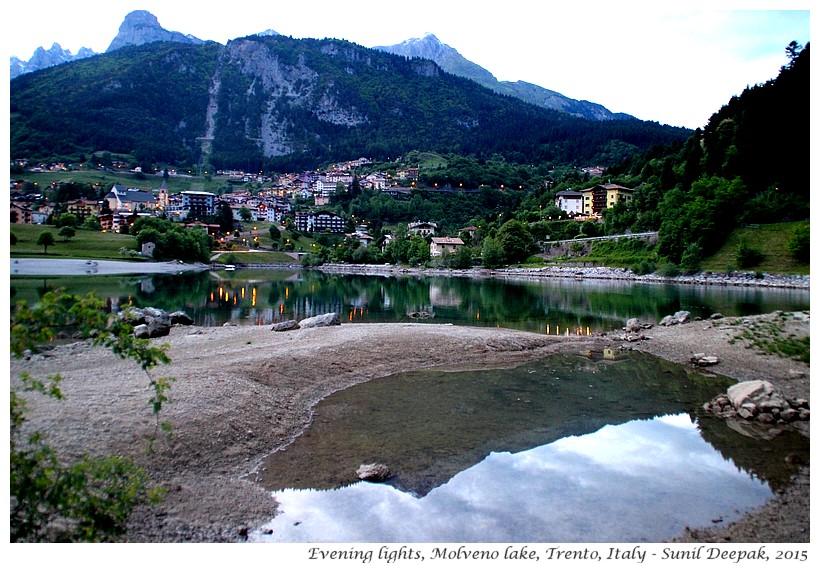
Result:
{"points": [[241, 392]]}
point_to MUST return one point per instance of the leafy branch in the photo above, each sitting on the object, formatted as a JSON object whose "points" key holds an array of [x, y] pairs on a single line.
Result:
{"points": [[89, 500]]}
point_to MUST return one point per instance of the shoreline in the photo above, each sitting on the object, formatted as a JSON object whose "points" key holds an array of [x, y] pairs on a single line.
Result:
{"points": [[78, 267], [738, 279]]}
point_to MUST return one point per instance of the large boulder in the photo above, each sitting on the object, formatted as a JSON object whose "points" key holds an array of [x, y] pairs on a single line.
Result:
{"points": [[374, 472], [328, 319], [180, 318]]}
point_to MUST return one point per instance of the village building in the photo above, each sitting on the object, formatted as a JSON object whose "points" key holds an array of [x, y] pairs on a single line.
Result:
{"points": [[570, 201], [440, 246], [122, 199], [422, 229], [605, 196]]}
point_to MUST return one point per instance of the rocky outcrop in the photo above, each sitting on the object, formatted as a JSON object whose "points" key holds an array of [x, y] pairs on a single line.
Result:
{"points": [[758, 401], [151, 322], [140, 27]]}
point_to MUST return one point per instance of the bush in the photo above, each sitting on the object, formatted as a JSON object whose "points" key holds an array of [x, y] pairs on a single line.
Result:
{"points": [[644, 267], [798, 243], [669, 271], [746, 255]]}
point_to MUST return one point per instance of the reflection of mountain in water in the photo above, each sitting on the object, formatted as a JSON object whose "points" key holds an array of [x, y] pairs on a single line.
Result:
{"points": [[429, 426]]}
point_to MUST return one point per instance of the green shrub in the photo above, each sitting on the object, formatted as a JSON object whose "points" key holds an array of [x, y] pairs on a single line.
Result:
{"points": [[798, 243], [746, 255]]}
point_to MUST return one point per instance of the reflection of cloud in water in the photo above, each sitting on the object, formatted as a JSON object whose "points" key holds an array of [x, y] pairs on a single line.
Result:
{"points": [[639, 481]]}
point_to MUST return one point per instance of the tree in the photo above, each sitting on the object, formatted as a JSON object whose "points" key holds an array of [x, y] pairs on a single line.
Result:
{"points": [[89, 500], [245, 213], [492, 253], [67, 232], [224, 216], [68, 220], [516, 240], [45, 240]]}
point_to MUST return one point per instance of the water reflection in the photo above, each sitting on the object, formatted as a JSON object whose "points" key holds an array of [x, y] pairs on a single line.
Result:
{"points": [[590, 447], [644, 480], [565, 307]]}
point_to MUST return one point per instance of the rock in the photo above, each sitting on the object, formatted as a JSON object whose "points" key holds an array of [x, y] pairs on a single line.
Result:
{"points": [[757, 401], [757, 392], [180, 318], [633, 325], [702, 360], [683, 316], [285, 325], [668, 320], [329, 319], [715, 316], [373, 472], [153, 328]]}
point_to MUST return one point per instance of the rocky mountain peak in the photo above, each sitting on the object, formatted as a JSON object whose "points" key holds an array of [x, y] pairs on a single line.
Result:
{"points": [[140, 27]]}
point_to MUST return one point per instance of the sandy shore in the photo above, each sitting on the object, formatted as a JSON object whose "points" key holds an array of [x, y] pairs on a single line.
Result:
{"points": [[241, 392]]}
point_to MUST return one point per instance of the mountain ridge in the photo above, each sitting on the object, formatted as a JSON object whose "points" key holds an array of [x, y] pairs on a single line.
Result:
{"points": [[450, 60], [284, 103], [141, 27]]}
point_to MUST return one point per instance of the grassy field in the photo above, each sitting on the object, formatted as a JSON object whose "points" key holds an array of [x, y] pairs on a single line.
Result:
{"points": [[107, 179], [85, 244], [771, 240]]}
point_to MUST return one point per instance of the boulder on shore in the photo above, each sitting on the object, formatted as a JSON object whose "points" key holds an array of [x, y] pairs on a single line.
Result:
{"points": [[373, 472], [328, 319], [285, 325], [758, 401]]}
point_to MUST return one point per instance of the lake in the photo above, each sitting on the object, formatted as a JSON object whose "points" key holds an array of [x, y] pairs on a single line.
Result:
{"points": [[566, 449], [554, 306]]}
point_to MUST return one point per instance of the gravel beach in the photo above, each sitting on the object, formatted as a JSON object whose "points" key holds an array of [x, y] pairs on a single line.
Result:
{"points": [[241, 392]]}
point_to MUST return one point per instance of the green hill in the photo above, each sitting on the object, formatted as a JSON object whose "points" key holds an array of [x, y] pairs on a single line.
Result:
{"points": [[772, 242]]}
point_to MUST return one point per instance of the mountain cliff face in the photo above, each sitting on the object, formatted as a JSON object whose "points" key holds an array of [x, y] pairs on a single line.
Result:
{"points": [[141, 27], [450, 60], [283, 103]]}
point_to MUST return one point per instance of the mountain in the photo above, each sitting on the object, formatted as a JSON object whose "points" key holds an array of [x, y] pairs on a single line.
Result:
{"points": [[283, 103], [450, 60], [141, 27], [45, 59]]}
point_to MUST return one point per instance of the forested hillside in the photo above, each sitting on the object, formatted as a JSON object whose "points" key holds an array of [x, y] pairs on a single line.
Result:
{"points": [[750, 164], [278, 103]]}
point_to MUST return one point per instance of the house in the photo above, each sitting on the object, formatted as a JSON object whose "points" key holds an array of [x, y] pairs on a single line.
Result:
{"points": [[363, 238], [422, 229], [570, 201], [605, 196], [82, 208], [125, 199], [440, 246]]}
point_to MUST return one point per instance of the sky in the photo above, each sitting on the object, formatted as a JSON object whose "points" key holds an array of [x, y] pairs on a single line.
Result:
{"points": [[673, 62]]}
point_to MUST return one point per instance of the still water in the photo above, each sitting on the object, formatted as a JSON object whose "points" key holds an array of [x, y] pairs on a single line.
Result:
{"points": [[264, 296], [567, 449]]}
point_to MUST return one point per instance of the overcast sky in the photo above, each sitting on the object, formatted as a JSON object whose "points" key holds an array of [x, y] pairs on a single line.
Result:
{"points": [[672, 62]]}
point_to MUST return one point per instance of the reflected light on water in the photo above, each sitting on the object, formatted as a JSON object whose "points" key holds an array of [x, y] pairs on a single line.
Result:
{"points": [[646, 480]]}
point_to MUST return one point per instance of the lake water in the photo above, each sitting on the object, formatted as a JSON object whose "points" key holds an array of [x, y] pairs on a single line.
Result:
{"points": [[567, 449], [573, 449], [264, 296]]}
